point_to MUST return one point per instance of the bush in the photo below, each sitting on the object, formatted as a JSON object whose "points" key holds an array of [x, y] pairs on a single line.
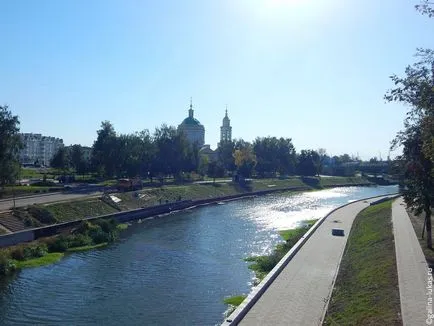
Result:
{"points": [[80, 240], [24, 252], [6, 264], [60, 244], [42, 215], [18, 253], [106, 225]]}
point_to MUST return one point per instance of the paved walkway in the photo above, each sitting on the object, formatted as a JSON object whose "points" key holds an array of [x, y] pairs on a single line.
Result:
{"points": [[299, 294], [412, 268]]}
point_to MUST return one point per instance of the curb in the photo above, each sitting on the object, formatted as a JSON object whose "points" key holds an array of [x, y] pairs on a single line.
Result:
{"points": [[257, 292]]}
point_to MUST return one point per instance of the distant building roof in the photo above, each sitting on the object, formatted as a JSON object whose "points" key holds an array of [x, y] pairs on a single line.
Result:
{"points": [[191, 122]]}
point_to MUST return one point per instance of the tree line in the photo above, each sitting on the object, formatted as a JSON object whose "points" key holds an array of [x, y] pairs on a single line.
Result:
{"points": [[167, 152]]}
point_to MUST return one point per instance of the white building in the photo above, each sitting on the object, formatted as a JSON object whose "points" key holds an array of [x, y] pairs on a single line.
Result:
{"points": [[38, 148]]}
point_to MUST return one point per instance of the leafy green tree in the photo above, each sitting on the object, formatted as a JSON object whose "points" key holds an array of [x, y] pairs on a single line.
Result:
{"points": [[215, 170], [306, 163], [60, 159], [77, 159], [416, 90], [266, 150], [171, 151], [203, 165], [225, 157], [245, 158], [105, 151], [10, 144], [286, 156], [319, 160]]}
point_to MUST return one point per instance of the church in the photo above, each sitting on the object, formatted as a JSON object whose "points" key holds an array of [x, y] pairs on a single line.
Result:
{"points": [[195, 132]]}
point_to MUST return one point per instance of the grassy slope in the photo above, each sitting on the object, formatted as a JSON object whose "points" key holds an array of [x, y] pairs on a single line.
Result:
{"points": [[366, 290], [73, 210], [152, 196]]}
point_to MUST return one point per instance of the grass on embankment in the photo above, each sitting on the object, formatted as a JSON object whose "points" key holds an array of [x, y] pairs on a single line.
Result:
{"points": [[73, 210], [40, 261], [78, 209], [262, 265], [366, 289], [89, 247], [235, 300]]}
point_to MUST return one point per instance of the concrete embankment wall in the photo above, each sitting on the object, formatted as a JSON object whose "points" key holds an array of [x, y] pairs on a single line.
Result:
{"points": [[141, 213]]}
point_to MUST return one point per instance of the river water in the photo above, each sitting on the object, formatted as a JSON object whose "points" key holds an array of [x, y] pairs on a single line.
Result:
{"points": [[174, 270]]}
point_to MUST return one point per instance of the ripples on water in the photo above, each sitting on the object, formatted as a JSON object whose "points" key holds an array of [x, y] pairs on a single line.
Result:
{"points": [[174, 270]]}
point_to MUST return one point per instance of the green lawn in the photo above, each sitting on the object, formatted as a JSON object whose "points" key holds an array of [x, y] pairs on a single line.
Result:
{"points": [[36, 262], [366, 290]]}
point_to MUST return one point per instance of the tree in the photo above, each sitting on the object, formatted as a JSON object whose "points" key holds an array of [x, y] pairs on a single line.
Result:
{"points": [[105, 150], [266, 150], [60, 159], [10, 144], [245, 158], [416, 89], [286, 156], [77, 159], [306, 163], [172, 150], [319, 160], [225, 157], [425, 8], [215, 170]]}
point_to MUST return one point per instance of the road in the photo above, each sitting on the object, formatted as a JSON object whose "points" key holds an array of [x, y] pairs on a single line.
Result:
{"points": [[7, 204], [299, 294]]}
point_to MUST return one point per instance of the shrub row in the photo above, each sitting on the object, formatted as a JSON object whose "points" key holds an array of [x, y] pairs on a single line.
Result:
{"points": [[99, 231]]}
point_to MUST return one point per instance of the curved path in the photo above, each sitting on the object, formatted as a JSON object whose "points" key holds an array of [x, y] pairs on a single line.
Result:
{"points": [[300, 293]]}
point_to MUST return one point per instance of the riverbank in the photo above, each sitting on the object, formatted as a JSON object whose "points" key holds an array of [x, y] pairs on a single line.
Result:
{"points": [[86, 236], [366, 288], [197, 251], [46, 214], [262, 265]]}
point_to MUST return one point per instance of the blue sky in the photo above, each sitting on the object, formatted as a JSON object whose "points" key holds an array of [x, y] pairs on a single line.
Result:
{"points": [[312, 70]]}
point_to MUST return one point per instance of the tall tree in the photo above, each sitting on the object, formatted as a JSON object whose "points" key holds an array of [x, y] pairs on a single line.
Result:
{"points": [[245, 158], [319, 160], [286, 156], [77, 159], [105, 158], [266, 150], [60, 159], [172, 149], [306, 163], [225, 157], [416, 90], [10, 144]]}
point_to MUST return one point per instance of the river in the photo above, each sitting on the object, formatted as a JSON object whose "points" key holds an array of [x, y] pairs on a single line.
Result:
{"points": [[174, 270]]}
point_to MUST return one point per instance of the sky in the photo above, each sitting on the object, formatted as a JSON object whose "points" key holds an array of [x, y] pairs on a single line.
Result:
{"points": [[315, 71]]}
